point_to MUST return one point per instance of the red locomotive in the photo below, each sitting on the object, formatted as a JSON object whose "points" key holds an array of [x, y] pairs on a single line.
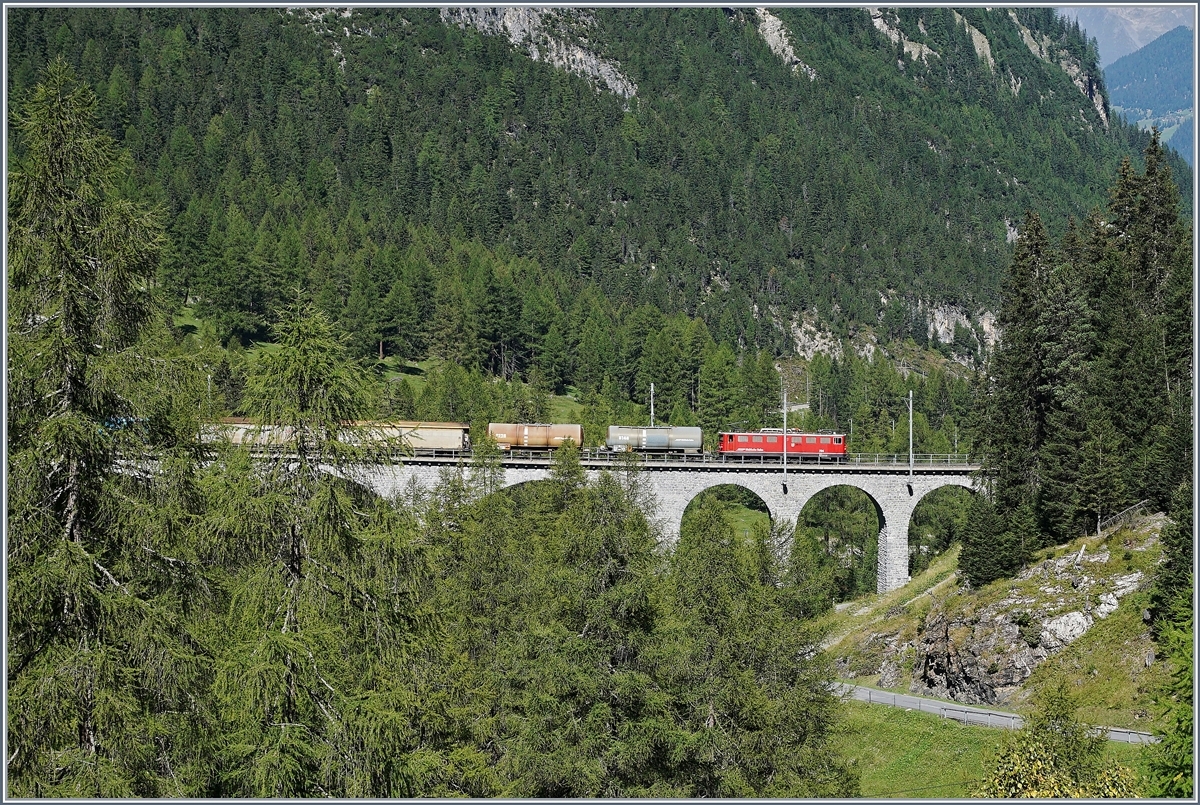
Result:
{"points": [[813, 446]]}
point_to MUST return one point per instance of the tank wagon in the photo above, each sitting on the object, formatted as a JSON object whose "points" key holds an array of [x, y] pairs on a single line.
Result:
{"points": [[508, 435], [815, 446], [665, 439]]}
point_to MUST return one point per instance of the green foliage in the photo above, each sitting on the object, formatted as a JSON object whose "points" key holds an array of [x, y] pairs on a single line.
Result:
{"points": [[1054, 755], [842, 524], [745, 674], [1173, 582], [990, 551], [1172, 760], [101, 665], [726, 189], [1082, 412]]}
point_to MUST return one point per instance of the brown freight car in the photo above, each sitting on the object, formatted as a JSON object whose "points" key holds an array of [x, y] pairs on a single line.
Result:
{"points": [[508, 435]]}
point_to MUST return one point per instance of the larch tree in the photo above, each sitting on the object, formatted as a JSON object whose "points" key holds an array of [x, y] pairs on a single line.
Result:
{"points": [[104, 681], [318, 680]]}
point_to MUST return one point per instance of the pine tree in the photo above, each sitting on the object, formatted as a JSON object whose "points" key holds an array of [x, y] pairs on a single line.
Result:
{"points": [[1172, 766], [747, 686]]}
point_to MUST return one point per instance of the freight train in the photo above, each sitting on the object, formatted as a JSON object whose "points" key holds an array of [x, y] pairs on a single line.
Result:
{"points": [[429, 438]]}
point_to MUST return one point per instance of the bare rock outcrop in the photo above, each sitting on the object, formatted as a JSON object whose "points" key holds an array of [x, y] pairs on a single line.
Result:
{"points": [[984, 656], [773, 32], [555, 36]]}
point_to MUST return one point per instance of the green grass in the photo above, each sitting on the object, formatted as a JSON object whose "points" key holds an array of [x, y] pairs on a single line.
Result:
{"points": [[898, 610], [1106, 666], [565, 410], [905, 754], [913, 755], [1108, 671], [186, 320]]}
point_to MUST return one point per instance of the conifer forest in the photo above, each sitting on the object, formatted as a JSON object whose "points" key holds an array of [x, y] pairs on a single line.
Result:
{"points": [[303, 218]]}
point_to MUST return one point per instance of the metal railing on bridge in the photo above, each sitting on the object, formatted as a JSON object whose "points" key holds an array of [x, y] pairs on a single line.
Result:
{"points": [[592, 457]]}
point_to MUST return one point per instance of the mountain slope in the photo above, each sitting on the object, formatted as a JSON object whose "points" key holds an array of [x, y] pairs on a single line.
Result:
{"points": [[1156, 79], [1076, 609], [754, 170], [1153, 86], [1120, 31]]}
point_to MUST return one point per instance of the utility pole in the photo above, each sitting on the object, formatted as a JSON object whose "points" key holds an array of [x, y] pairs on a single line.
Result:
{"points": [[910, 452]]}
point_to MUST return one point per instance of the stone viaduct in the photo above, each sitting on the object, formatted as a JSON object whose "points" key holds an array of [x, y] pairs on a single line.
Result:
{"points": [[891, 488]]}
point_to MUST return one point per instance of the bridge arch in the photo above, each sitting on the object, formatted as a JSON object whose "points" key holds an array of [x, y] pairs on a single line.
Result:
{"points": [[730, 495], [931, 526], [673, 486], [848, 520]]}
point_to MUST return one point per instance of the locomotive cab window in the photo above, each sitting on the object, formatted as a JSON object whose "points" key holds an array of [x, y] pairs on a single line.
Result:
{"points": [[837, 439]]}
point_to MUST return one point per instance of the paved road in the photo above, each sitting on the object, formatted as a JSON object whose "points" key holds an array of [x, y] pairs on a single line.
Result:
{"points": [[978, 716]]}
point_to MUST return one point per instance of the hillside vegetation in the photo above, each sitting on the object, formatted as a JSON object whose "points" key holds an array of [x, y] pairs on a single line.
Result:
{"points": [[1154, 87], [1156, 79], [346, 153], [1075, 611]]}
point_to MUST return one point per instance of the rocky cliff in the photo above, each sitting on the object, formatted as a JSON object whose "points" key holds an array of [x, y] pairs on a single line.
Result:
{"points": [[983, 646]]}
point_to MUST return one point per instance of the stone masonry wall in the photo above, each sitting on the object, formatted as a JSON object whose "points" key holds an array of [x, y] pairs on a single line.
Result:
{"points": [[895, 497]]}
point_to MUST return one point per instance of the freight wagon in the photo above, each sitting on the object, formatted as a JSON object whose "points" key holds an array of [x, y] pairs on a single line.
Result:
{"points": [[622, 438], [422, 437], [818, 446], [508, 435]]}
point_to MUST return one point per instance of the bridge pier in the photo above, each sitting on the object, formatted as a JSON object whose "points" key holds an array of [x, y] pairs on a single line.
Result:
{"points": [[674, 486]]}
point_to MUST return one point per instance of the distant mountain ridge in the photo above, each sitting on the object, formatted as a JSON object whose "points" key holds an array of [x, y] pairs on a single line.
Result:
{"points": [[1121, 30], [1153, 87]]}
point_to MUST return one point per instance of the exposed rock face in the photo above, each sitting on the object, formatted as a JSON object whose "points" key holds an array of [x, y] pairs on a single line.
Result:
{"points": [[1045, 51], [983, 657], [944, 318], [983, 48], [885, 22], [808, 339], [982, 649], [1065, 629], [550, 35], [773, 32], [947, 668]]}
